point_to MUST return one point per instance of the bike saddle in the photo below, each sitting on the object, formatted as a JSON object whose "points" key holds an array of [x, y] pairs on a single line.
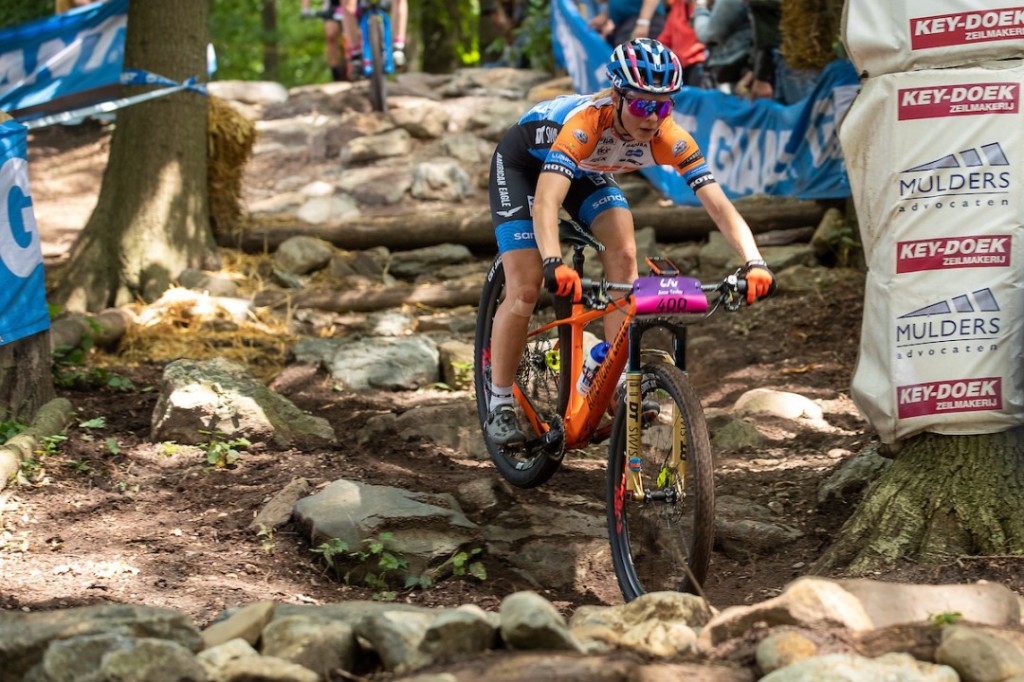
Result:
{"points": [[571, 232]]}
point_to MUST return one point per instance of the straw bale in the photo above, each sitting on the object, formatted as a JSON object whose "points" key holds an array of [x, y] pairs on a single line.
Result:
{"points": [[231, 136]]}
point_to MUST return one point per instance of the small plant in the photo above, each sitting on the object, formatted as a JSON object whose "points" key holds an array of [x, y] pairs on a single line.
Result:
{"points": [[113, 447], [946, 618], [50, 445], [223, 453], [266, 536], [97, 423], [70, 370], [461, 563], [80, 466], [375, 562], [10, 429]]}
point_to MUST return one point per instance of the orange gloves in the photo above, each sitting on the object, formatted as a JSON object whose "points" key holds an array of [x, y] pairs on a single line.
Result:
{"points": [[760, 280], [561, 280]]}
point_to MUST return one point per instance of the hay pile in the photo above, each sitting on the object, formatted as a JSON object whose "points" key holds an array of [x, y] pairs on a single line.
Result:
{"points": [[810, 32], [230, 136]]}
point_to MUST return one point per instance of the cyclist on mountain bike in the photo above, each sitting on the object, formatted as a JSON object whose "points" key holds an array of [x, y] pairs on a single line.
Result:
{"points": [[562, 152], [342, 15]]}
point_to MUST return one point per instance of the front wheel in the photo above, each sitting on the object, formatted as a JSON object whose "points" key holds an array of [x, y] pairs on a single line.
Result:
{"points": [[661, 539], [538, 379], [378, 94]]}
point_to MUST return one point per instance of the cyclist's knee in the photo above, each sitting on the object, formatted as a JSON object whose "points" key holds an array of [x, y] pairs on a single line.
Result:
{"points": [[523, 300], [620, 263]]}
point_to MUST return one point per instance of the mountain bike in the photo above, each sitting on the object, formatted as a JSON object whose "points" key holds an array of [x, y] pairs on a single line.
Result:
{"points": [[660, 479], [375, 27]]}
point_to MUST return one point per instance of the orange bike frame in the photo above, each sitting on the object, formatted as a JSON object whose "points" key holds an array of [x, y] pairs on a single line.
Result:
{"points": [[584, 413]]}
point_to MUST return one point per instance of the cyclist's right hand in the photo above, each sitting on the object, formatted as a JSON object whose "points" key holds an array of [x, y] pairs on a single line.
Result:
{"points": [[562, 280]]}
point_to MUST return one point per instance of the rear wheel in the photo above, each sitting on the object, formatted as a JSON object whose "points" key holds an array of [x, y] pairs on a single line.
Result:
{"points": [[662, 542], [378, 94], [538, 378]]}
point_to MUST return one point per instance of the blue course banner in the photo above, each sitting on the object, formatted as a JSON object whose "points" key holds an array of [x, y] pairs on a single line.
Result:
{"points": [[56, 56], [752, 147], [23, 308]]}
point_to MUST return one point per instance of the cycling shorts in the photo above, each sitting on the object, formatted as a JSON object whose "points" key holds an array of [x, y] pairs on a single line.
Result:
{"points": [[514, 174]]}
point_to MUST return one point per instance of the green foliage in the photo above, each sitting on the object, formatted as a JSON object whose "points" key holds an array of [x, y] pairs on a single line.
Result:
{"points": [[97, 423], [239, 38], [10, 429], [532, 38], [946, 618], [14, 12], [377, 564], [50, 445], [70, 370], [842, 243], [222, 453]]}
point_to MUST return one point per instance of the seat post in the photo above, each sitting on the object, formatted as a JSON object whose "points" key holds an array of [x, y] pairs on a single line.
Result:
{"points": [[577, 258]]}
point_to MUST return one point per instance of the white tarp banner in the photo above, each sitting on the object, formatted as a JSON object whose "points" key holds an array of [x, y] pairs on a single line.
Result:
{"points": [[890, 36], [936, 164]]}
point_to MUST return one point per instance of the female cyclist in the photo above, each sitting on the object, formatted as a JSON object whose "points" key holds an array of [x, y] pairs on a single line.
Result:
{"points": [[562, 153]]}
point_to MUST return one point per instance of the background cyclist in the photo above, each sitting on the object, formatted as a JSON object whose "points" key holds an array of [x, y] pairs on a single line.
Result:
{"points": [[562, 153], [341, 18]]}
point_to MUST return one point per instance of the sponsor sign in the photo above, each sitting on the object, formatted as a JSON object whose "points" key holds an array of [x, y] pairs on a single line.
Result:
{"points": [[950, 397], [23, 308], [958, 100], [948, 253], [965, 28]]}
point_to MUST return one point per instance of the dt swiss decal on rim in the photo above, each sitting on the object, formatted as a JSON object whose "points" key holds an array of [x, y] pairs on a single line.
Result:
{"points": [[669, 295]]}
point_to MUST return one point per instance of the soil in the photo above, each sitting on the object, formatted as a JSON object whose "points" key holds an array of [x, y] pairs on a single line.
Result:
{"points": [[113, 517]]}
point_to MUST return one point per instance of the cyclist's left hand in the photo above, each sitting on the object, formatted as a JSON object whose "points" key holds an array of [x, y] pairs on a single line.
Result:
{"points": [[760, 280]]}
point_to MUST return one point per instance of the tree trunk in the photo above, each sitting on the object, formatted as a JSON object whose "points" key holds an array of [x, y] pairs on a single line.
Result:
{"points": [[25, 380], [943, 497], [472, 227], [271, 58], [152, 217]]}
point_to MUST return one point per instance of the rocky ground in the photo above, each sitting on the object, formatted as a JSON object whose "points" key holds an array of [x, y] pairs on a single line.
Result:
{"points": [[107, 515]]}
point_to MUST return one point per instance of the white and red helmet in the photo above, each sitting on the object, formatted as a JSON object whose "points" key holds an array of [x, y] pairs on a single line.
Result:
{"points": [[645, 65]]}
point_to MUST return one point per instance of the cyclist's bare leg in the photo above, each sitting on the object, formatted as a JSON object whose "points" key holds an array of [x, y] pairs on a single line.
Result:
{"points": [[332, 47], [614, 228], [353, 36], [523, 277], [399, 20]]}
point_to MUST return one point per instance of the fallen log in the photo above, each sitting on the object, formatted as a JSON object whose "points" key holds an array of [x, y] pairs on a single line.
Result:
{"points": [[448, 295], [472, 227]]}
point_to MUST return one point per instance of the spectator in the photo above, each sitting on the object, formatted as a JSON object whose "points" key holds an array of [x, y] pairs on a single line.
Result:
{"points": [[773, 78], [500, 18], [620, 21], [332, 18], [725, 28], [680, 37]]}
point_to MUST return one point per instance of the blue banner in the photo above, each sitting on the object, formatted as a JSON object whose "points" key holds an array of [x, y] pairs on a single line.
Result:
{"points": [[68, 53], [23, 308], [753, 147]]}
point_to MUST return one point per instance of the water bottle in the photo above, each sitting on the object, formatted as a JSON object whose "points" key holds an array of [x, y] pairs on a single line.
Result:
{"points": [[592, 361]]}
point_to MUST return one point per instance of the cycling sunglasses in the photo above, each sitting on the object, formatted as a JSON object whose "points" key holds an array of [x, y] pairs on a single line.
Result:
{"points": [[642, 108]]}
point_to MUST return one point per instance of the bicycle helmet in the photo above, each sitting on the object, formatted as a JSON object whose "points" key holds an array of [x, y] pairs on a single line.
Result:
{"points": [[644, 64]]}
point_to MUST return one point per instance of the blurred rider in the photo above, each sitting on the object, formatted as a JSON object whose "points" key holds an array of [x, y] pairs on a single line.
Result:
{"points": [[562, 154]]}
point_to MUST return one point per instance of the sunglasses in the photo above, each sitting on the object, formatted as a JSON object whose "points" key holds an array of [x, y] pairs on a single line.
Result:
{"points": [[642, 108]]}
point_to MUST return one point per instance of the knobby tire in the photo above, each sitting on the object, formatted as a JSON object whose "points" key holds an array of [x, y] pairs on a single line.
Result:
{"points": [[536, 378], [653, 541], [378, 94]]}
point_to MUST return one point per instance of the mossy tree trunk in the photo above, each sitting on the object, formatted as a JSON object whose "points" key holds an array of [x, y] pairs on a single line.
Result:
{"points": [[151, 220], [943, 497]]}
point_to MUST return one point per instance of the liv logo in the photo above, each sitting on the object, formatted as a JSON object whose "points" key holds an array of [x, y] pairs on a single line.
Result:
{"points": [[965, 324]]}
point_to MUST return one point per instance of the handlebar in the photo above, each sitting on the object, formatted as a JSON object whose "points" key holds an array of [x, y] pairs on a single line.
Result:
{"points": [[731, 292]]}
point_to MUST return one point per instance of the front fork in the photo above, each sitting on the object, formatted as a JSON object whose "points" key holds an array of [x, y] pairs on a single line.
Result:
{"points": [[670, 481]]}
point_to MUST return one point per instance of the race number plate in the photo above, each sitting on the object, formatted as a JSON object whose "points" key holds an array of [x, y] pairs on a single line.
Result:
{"points": [[669, 296]]}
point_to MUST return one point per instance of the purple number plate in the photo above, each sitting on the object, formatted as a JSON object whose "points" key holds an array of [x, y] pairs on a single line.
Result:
{"points": [[669, 296]]}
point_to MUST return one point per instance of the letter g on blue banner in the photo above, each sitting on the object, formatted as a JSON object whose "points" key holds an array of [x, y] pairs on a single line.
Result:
{"points": [[22, 293]]}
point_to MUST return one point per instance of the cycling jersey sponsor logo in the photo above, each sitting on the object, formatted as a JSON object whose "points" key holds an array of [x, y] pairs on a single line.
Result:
{"points": [[691, 159], [965, 28], [978, 176], [545, 135], [679, 147], [947, 397], [967, 324], [581, 136], [953, 252], [509, 213], [522, 236], [602, 151], [943, 101], [608, 199]]}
